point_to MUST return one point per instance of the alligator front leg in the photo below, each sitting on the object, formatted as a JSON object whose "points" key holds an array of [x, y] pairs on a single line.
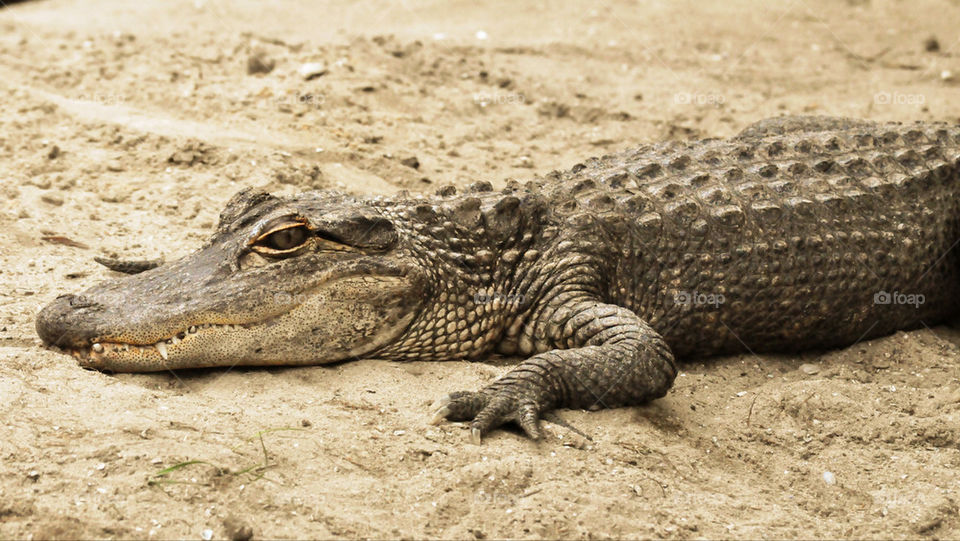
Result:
{"points": [[613, 358]]}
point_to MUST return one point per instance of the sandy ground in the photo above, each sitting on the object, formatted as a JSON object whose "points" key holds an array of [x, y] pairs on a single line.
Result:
{"points": [[125, 127]]}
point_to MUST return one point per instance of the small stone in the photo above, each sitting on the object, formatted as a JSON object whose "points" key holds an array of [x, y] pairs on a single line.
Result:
{"points": [[809, 369], [946, 75], [412, 161], [115, 166], [259, 62], [829, 478], [236, 529], [33, 475], [931, 44], [928, 524], [206, 535], [52, 199], [312, 70], [525, 162], [305, 422], [881, 363], [54, 152]]}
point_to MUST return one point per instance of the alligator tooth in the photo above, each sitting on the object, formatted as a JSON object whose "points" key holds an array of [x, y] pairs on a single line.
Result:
{"points": [[97, 347], [162, 348], [174, 340], [192, 329]]}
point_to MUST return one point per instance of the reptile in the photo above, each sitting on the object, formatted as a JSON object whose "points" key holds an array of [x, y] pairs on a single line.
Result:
{"points": [[799, 233]]}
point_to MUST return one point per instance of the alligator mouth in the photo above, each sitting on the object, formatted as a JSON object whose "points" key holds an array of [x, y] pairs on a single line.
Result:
{"points": [[328, 325], [100, 353]]}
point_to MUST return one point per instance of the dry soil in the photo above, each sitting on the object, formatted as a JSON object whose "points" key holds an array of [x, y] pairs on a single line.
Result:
{"points": [[125, 126]]}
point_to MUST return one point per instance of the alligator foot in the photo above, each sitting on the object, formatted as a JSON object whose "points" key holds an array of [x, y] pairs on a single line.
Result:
{"points": [[618, 361], [490, 408]]}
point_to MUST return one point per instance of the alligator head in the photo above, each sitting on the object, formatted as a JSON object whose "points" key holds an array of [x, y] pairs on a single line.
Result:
{"points": [[316, 278]]}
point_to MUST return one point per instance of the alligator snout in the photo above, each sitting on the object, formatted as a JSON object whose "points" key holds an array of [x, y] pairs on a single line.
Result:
{"points": [[69, 321]]}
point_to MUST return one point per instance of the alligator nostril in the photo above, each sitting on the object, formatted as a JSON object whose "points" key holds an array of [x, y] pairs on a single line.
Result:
{"points": [[69, 321]]}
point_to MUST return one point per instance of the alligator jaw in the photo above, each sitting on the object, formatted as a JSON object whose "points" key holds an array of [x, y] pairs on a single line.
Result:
{"points": [[328, 325], [125, 356]]}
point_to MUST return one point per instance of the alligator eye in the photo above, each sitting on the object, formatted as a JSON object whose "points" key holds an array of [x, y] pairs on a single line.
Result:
{"points": [[286, 239], [283, 239]]}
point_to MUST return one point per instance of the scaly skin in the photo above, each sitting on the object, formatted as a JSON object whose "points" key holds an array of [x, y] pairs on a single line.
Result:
{"points": [[799, 233]]}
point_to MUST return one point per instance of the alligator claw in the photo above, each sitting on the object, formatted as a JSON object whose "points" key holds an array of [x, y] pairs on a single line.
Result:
{"points": [[440, 415], [441, 402], [488, 410]]}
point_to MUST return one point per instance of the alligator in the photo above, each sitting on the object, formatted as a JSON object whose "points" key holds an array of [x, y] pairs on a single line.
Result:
{"points": [[799, 233]]}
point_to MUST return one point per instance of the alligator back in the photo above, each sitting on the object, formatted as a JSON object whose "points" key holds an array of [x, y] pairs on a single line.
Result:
{"points": [[798, 233]]}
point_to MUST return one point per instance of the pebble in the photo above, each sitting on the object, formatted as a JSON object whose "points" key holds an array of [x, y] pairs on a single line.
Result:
{"points": [[525, 162], [237, 529], [259, 62], [809, 369], [931, 44], [52, 199], [206, 535], [881, 363], [829, 478], [312, 70], [412, 161], [115, 166]]}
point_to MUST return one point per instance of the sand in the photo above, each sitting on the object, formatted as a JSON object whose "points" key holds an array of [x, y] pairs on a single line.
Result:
{"points": [[124, 128]]}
